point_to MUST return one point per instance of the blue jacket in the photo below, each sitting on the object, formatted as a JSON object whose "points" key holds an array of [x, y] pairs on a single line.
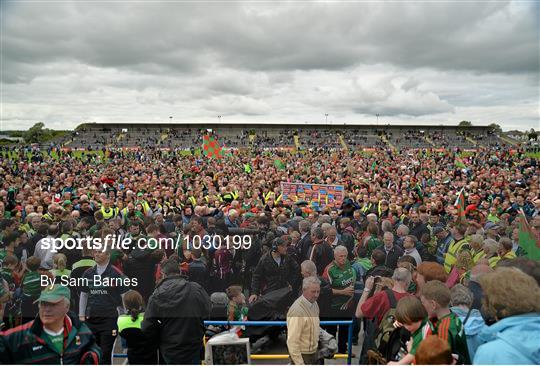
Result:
{"points": [[475, 324], [511, 341]]}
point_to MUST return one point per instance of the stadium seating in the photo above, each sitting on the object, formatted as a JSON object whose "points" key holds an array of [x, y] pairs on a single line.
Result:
{"points": [[185, 136]]}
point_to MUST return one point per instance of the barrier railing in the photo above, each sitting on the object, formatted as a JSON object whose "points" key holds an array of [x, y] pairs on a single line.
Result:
{"points": [[348, 323]]}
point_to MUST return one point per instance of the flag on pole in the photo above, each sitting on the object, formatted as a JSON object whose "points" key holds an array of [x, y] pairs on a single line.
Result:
{"points": [[211, 147], [460, 203], [527, 240], [458, 162], [279, 164]]}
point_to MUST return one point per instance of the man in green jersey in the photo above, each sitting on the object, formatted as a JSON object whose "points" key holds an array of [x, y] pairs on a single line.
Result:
{"points": [[53, 337], [435, 297], [341, 277]]}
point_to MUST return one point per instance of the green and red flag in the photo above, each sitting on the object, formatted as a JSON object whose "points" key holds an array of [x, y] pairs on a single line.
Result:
{"points": [[460, 203], [458, 162], [279, 164], [211, 147], [527, 239]]}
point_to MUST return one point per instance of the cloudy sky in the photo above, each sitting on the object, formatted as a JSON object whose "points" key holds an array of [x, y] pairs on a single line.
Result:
{"points": [[65, 62]]}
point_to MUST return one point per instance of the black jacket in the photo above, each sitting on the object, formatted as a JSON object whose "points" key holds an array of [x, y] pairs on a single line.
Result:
{"points": [[197, 272], [268, 276], [142, 266], [382, 271], [392, 256], [304, 245], [174, 318], [322, 256], [418, 230]]}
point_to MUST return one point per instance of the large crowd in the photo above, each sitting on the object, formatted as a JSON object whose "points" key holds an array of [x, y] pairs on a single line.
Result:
{"points": [[461, 282]]}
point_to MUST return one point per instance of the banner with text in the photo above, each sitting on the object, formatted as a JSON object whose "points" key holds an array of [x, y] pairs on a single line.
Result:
{"points": [[316, 195]]}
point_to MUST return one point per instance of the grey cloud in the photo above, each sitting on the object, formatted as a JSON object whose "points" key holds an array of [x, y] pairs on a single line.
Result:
{"points": [[186, 37], [67, 62]]}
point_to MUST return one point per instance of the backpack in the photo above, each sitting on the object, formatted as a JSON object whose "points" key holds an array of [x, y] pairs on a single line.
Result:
{"points": [[389, 341]]}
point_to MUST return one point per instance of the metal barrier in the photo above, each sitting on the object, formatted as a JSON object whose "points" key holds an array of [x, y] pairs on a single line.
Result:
{"points": [[348, 323]]}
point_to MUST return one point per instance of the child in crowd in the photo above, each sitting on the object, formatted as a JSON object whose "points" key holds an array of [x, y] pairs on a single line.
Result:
{"points": [[435, 297], [434, 351], [9, 272], [236, 309], [59, 267], [411, 314]]}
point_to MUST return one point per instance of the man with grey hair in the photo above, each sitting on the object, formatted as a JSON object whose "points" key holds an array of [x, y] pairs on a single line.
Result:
{"points": [[308, 269], [325, 219], [461, 299], [303, 324], [371, 218], [55, 336], [401, 232], [386, 226], [342, 277], [391, 251]]}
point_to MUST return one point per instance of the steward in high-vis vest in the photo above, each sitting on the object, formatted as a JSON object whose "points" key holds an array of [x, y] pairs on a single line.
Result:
{"points": [[108, 211], [54, 337], [268, 196], [460, 243], [229, 196], [140, 349]]}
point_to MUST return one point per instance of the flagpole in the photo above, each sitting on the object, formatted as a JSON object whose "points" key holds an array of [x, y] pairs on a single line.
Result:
{"points": [[459, 195]]}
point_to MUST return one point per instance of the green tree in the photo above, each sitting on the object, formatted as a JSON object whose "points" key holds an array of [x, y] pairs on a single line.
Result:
{"points": [[37, 133], [533, 135], [465, 124], [496, 128]]}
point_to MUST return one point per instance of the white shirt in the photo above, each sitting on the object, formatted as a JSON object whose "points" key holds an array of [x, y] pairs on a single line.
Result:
{"points": [[413, 253], [46, 255]]}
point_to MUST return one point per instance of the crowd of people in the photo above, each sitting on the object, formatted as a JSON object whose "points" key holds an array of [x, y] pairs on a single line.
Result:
{"points": [[426, 280]]}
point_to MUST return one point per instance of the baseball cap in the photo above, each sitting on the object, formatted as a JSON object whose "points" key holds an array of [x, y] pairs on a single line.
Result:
{"points": [[66, 202], [54, 294]]}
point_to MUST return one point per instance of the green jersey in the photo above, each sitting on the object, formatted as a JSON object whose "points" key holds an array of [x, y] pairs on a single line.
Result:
{"points": [[31, 284], [425, 329], [372, 243], [450, 328], [240, 312], [7, 275], [3, 254], [340, 278], [55, 340], [365, 263]]}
